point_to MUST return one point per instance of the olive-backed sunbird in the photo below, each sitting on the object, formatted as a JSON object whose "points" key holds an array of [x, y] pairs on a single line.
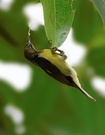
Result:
{"points": [[52, 61]]}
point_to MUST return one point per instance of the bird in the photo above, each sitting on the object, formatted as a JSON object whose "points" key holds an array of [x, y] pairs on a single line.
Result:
{"points": [[53, 62]]}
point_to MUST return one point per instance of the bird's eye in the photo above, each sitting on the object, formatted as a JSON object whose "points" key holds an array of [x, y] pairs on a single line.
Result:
{"points": [[35, 55]]}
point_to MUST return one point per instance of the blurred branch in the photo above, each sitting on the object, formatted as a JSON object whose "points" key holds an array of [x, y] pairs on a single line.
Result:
{"points": [[6, 35]]}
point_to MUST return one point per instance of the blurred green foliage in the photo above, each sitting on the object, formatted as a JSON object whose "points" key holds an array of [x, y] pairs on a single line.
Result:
{"points": [[100, 6], [49, 107]]}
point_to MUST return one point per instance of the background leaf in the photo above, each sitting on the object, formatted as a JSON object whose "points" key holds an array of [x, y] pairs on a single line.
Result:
{"points": [[100, 5], [87, 23]]}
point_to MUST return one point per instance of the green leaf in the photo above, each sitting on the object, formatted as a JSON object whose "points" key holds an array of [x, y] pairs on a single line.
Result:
{"points": [[100, 6], [58, 15]]}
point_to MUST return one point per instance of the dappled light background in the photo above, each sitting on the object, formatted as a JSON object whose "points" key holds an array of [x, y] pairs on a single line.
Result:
{"points": [[32, 103]]}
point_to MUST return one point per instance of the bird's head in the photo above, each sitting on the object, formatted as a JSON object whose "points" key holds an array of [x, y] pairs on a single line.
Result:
{"points": [[29, 50]]}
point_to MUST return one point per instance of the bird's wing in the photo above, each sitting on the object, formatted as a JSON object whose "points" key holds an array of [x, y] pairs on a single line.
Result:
{"points": [[55, 73]]}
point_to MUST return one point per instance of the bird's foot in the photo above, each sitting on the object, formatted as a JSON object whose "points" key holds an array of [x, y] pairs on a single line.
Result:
{"points": [[60, 52]]}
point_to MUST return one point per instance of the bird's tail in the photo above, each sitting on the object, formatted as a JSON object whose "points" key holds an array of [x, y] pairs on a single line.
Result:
{"points": [[75, 83], [85, 93]]}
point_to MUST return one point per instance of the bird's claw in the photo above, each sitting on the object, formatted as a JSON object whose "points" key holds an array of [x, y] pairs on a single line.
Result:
{"points": [[61, 53]]}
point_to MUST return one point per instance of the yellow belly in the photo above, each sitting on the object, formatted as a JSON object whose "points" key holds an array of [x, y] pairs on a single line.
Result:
{"points": [[56, 60]]}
